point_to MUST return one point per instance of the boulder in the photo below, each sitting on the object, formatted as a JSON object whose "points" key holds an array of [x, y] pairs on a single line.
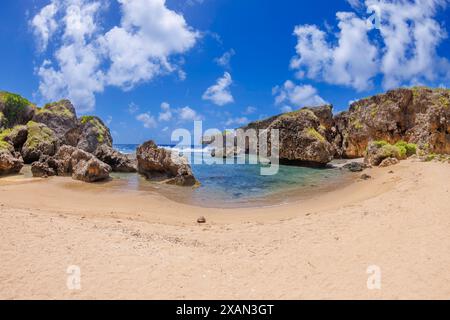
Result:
{"points": [[42, 170], [59, 116], [119, 162], [81, 165], [41, 140], [303, 136], [355, 166], [389, 162], [163, 164], [90, 133], [10, 163], [91, 170]]}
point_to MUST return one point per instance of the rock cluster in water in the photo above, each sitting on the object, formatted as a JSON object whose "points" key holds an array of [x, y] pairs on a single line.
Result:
{"points": [[58, 143]]}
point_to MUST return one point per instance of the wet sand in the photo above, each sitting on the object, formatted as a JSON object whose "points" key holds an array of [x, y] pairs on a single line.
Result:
{"points": [[143, 245]]}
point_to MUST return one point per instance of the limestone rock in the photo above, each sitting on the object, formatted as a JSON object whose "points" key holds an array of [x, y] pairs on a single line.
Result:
{"points": [[162, 164], [41, 140], [119, 162], [303, 135], [9, 163], [59, 116]]}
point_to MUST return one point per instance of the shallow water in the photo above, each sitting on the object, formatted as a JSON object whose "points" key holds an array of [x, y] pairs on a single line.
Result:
{"points": [[238, 185]]}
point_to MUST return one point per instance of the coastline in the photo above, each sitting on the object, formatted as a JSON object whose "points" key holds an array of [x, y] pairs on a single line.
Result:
{"points": [[149, 247]]}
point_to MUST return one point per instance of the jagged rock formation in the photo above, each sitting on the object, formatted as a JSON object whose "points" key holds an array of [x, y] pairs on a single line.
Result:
{"points": [[119, 162], [161, 164], [90, 134], [303, 135], [34, 135], [9, 163], [71, 161], [59, 116], [418, 115], [41, 140]]}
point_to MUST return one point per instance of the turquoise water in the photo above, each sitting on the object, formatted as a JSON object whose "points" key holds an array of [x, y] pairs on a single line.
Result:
{"points": [[242, 184]]}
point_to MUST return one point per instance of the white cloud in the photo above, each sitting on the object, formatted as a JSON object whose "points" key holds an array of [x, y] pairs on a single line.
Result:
{"points": [[166, 114], [355, 4], [237, 121], [299, 96], [341, 63], [406, 54], [44, 24], [411, 36], [188, 114], [224, 60], [85, 60], [220, 93], [147, 119]]}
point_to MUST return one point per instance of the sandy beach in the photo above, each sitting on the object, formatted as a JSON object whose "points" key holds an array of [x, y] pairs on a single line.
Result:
{"points": [[145, 246]]}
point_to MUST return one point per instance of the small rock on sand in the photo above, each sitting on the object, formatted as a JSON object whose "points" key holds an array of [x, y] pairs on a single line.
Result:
{"points": [[201, 220], [365, 177]]}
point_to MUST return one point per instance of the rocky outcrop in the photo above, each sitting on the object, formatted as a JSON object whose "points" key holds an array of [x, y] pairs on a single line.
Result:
{"points": [[418, 115], [10, 163], [14, 110], [41, 140], [71, 161], [119, 162], [59, 116], [303, 135], [90, 134], [161, 164]]}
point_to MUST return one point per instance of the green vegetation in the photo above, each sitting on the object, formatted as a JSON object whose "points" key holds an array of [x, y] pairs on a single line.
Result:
{"points": [[408, 149], [314, 134], [101, 130], [444, 101], [56, 108], [14, 106], [38, 133], [6, 146], [430, 157], [400, 150]]}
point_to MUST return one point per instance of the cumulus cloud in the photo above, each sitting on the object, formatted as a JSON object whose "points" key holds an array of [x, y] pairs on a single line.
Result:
{"points": [[166, 112], [219, 93], [44, 24], [188, 114], [290, 93], [341, 63], [147, 120], [86, 60], [406, 54]]}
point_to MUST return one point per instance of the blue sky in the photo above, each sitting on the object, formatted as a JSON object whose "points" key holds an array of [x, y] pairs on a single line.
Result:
{"points": [[149, 66]]}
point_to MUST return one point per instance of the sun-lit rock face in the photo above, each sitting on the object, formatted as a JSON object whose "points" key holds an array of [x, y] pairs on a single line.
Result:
{"points": [[303, 135], [418, 115]]}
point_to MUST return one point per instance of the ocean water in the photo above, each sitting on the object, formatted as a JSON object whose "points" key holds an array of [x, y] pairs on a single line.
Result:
{"points": [[240, 184]]}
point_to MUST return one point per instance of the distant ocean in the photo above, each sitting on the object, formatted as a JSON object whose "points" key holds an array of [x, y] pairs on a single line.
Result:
{"points": [[241, 184]]}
